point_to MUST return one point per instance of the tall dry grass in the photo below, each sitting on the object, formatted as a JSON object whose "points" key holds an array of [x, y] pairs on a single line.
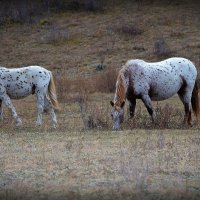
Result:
{"points": [[103, 82]]}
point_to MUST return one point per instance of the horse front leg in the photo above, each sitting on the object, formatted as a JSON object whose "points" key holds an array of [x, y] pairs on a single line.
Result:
{"points": [[147, 102], [132, 104], [6, 100]]}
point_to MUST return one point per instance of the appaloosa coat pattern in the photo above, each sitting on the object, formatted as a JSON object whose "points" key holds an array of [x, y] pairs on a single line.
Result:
{"points": [[155, 82], [17, 83]]}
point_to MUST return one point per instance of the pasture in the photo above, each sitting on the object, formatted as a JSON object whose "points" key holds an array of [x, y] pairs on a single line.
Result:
{"points": [[83, 158], [140, 162], [136, 164]]}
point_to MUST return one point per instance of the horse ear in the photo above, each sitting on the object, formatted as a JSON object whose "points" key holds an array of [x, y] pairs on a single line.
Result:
{"points": [[122, 104], [111, 103]]}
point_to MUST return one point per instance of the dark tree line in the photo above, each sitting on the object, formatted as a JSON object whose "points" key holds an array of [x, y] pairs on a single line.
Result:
{"points": [[27, 11]]}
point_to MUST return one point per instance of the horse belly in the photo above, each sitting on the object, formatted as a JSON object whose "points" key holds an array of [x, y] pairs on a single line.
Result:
{"points": [[19, 93], [164, 91]]}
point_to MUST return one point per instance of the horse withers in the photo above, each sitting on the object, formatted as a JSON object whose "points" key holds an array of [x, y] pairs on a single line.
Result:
{"points": [[155, 81], [17, 83]]}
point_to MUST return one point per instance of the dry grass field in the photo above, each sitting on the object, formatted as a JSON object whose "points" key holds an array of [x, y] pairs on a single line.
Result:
{"points": [[137, 164], [83, 158]]}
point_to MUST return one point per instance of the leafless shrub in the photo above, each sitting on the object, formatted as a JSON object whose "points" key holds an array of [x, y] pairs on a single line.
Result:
{"points": [[88, 121], [139, 48], [129, 30], [103, 82], [176, 34], [64, 86], [161, 140], [100, 67], [97, 116], [161, 48], [93, 116], [78, 90], [55, 35], [166, 117]]}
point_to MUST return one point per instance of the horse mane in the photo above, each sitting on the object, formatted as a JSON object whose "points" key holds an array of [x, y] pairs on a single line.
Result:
{"points": [[120, 94]]}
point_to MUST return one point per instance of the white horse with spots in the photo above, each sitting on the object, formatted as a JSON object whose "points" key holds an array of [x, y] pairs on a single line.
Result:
{"points": [[18, 83], [155, 82]]}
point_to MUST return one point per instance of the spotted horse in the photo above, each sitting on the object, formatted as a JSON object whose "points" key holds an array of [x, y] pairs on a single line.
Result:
{"points": [[17, 83], [155, 81]]}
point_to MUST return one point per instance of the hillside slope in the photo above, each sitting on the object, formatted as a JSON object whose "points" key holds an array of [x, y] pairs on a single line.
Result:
{"points": [[73, 43]]}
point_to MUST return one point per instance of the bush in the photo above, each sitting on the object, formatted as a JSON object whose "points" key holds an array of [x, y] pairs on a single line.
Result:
{"points": [[103, 82], [167, 116], [55, 35], [161, 48], [128, 30]]}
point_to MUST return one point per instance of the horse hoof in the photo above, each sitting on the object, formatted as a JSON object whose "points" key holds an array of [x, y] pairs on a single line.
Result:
{"points": [[19, 123], [190, 124], [54, 126]]}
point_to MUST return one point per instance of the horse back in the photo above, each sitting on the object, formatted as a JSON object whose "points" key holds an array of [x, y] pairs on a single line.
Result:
{"points": [[21, 82], [160, 80]]}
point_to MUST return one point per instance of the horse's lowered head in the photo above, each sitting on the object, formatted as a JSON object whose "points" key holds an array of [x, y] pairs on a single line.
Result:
{"points": [[117, 115]]}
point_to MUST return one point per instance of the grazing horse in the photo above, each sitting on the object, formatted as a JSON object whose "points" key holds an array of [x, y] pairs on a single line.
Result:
{"points": [[18, 83], [155, 82]]}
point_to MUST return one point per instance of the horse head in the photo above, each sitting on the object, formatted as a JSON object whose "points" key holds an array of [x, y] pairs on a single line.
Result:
{"points": [[117, 115]]}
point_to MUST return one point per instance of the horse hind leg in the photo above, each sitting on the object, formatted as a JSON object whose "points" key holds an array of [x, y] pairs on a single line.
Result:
{"points": [[188, 114], [40, 106], [48, 106], [185, 97]]}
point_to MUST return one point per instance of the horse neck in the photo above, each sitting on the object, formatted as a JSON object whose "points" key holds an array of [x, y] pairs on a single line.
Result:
{"points": [[120, 94]]}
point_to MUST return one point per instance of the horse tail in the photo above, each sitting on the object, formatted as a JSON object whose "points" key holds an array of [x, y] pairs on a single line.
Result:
{"points": [[195, 101], [52, 93]]}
